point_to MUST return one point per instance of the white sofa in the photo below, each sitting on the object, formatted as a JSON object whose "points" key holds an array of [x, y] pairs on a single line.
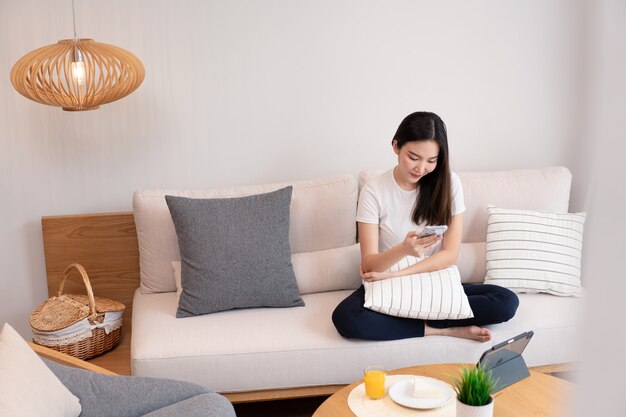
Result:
{"points": [[263, 348]]}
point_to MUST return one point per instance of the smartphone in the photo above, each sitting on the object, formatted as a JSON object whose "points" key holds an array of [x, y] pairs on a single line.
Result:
{"points": [[433, 230]]}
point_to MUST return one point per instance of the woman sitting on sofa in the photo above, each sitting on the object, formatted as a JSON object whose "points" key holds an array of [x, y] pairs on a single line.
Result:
{"points": [[419, 191]]}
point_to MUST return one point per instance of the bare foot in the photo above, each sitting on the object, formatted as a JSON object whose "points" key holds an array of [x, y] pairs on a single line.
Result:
{"points": [[469, 332]]}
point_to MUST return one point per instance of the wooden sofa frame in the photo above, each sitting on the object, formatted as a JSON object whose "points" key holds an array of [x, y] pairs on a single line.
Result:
{"points": [[106, 245]]}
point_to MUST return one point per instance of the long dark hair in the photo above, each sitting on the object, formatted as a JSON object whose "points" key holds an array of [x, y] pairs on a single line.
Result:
{"points": [[434, 200]]}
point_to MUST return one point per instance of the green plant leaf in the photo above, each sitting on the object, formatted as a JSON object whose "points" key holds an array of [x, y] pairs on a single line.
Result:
{"points": [[475, 385]]}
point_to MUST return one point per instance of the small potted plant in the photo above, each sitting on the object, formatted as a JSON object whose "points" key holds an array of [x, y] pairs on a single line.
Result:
{"points": [[473, 392]]}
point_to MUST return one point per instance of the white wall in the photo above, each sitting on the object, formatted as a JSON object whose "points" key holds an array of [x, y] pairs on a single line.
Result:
{"points": [[602, 172], [243, 92]]}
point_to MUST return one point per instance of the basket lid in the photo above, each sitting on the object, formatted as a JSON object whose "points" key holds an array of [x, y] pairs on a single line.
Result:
{"points": [[57, 313], [103, 305]]}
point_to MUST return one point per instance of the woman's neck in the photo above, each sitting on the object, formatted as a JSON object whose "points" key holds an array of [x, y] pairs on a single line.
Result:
{"points": [[403, 184]]}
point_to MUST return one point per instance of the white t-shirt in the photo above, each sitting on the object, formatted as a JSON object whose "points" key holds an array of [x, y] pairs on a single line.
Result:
{"points": [[383, 202]]}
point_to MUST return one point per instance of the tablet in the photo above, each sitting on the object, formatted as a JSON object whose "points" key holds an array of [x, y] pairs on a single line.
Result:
{"points": [[505, 361]]}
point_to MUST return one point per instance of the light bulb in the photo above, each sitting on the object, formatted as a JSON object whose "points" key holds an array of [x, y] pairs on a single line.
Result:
{"points": [[78, 72]]}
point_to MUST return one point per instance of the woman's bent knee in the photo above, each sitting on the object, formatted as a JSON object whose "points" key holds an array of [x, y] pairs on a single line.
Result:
{"points": [[345, 320], [339, 320], [509, 303]]}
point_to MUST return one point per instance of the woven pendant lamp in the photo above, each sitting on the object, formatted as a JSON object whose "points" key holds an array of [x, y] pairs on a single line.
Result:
{"points": [[77, 74]]}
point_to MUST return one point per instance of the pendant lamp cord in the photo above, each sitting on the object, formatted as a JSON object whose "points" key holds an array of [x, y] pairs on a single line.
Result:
{"points": [[74, 19], [78, 56]]}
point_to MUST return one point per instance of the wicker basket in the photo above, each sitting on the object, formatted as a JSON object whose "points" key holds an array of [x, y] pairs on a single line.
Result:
{"points": [[83, 326]]}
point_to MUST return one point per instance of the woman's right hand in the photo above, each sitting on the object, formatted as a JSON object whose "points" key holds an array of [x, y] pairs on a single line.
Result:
{"points": [[416, 246]]}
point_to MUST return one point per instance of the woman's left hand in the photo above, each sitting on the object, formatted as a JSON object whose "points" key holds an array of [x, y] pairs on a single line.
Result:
{"points": [[375, 276]]}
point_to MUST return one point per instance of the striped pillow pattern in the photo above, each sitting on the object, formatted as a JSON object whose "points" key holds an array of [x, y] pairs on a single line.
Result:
{"points": [[533, 251], [434, 295]]}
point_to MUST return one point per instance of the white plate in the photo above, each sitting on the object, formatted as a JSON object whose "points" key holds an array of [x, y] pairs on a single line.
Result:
{"points": [[402, 393]]}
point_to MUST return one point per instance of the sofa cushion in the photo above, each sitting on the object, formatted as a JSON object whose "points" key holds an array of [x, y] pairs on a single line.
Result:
{"points": [[235, 252], [28, 388], [557, 323], [328, 270], [543, 189], [535, 251], [436, 295], [471, 262], [323, 213], [283, 348]]}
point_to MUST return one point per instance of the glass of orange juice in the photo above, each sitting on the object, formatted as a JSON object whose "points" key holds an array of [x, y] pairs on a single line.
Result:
{"points": [[374, 378]]}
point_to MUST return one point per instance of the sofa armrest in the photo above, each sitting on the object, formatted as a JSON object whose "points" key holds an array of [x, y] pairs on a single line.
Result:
{"points": [[203, 405], [67, 360]]}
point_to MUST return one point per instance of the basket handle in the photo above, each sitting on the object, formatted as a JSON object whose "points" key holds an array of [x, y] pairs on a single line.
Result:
{"points": [[83, 273]]}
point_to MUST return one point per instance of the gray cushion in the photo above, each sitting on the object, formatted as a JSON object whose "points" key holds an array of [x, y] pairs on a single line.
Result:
{"points": [[116, 396], [234, 252]]}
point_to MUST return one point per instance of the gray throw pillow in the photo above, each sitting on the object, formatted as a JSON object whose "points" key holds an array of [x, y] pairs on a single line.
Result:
{"points": [[234, 252]]}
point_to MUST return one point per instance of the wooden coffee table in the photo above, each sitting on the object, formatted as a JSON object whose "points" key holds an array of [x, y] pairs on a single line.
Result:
{"points": [[538, 395]]}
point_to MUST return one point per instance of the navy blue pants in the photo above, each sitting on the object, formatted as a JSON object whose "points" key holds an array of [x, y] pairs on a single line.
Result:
{"points": [[491, 304]]}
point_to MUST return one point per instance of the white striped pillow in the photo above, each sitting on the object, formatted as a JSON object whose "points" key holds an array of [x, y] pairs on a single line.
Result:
{"points": [[534, 251], [434, 295]]}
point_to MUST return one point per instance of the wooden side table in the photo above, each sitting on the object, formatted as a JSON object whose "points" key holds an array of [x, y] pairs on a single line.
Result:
{"points": [[538, 395]]}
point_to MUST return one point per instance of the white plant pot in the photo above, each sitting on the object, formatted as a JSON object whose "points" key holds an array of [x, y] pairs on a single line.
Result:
{"points": [[464, 410]]}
